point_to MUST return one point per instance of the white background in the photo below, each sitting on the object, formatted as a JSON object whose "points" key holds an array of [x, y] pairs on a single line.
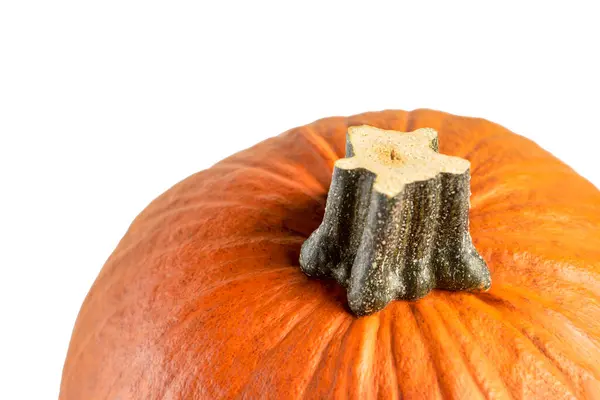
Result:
{"points": [[106, 104]]}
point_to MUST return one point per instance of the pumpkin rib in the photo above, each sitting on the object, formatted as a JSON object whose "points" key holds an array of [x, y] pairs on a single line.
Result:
{"points": [[454, 131], [249, 275], [431, 318], [190, 316], [307, 176], [386, 119], [542, 301], [332, 129], [269, 353], [213, 244], [515, 381], [344, 342], [201, 205], [549, 304], [235, 241], [358, 360], [517, 316], [505, 187], [488, 238], [396, 392], [443, 390], [504, 192], [329, 369], [320, 357], [498, 164], [341, 329], [412, 123], [529, 164], [369, 357], [554, 371], [465, 362], [448, 314], [274, 176], [293, 314], [578, 274], [318, 143], [479, 212], [485, 141], [291, 168], [411, 380], [99, 328], [183, 191], [271, 266], [136, 360], [259, 208]]}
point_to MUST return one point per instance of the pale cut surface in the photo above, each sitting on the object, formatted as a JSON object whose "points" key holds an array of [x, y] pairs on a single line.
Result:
{"points": [[398, 158]]}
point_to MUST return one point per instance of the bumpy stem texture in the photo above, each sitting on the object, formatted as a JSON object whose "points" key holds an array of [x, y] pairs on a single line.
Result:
{"points": [[383, 247]]}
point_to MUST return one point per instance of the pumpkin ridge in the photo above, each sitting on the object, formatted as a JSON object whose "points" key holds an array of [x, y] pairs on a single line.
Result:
{"points": [[174, 194], [191, 314], [553, 306], [554, 371], [498, 163], [289, 182], [269, 353], [379, 119], [394, 364], [290, 168], [374, 364], [424, 312], [362, 367], [570, 271], [344, 342], [412, 124], [259, 207], [320, 144], [293, 168], [530, 164], [449, 313], [210, 246], [442, 389], [538, 328], [248, 275], [533, 298], [443, 327], [268, 262], [286, 315], [399, 314], [235, 241], [314, 373], [198, 206], [486, 140], [315, 376], [192, 309], [516, 383], [519, 179], [479, 210], [99, 328]]}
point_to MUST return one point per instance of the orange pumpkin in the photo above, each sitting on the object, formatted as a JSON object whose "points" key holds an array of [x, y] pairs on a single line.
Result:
{"points": [[204, 297]]}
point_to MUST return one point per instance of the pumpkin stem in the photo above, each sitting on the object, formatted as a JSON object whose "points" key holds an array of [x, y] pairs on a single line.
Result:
{"points": [[396, 223]]}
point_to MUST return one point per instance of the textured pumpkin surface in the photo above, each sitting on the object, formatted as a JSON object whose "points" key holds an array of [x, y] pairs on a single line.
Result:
{"points": [[204, 298]]}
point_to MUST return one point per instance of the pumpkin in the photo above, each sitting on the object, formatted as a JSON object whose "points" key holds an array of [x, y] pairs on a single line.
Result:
{"points": [[204, 296]]}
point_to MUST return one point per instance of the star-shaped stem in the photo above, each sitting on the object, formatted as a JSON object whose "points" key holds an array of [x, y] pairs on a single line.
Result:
{"points": [[396, 223]]}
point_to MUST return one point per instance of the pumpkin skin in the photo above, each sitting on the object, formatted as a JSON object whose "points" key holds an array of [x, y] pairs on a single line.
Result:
{"points": [[204, 297]]}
